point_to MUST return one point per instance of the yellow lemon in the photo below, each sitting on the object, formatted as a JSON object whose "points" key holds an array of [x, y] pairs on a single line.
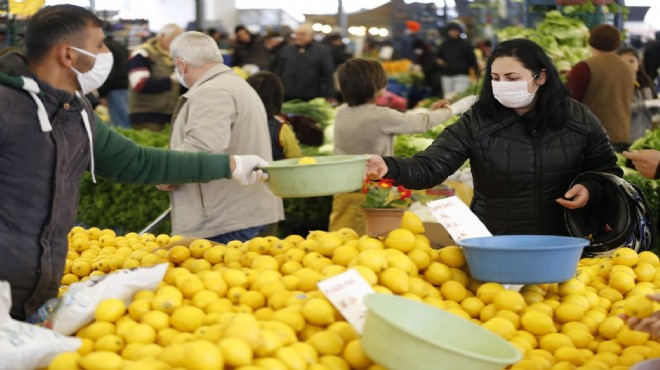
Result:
{"points": [[649, 257], [437, 273], [307, 160], [110, 310], [410, 221], [198, 247], [628, 337], [401, 239], [509, 300], [453, 290], [236, 352], [64, 361], [581, 338], [420, 258], [537, 323], [187, 318], [355, 356], [101, 360], [501, 327], [621, 281], [342, 255], [487, 291], [344, 329], [141, 333], [452, 256], [374, 259], [318, 311], [473, 306], [569, 311], [202, 355], [270, 343], [178, 254], [156, 319], [395, 279], [644, 271], [570, 354], [110, 343], [327, 243], [326, 342], [625, 256], [610, 327], [553, 341], [638, 306], [96, 330]]}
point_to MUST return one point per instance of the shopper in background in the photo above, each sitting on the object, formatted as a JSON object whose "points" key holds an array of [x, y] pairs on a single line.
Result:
{"points": [[642, 111], [526, 141], [305, 67], [363, 127], [282, 138], [273, 42], [50, 139], [605, 85], [154, 89], [338, 49], [220, 113], [249, 50], [115, 89], [425, 58], [652, 60], [456, 58]]}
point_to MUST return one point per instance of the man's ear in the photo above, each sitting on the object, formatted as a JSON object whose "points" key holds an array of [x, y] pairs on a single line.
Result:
{"points": [[64, 55]]}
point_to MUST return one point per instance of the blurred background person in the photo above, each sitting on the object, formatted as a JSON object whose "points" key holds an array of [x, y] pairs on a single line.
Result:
{"points": [[154, 89], [273, 42], [249, 49], [642, 115], [114, 91], [605, 85], [282, 138], [305, 68], [338, 49], [425, 58], [652, 60], [456, 58]]}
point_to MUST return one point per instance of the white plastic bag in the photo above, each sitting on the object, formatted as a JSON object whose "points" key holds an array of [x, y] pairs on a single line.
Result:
{"points": [[25, 346], [77, 305]]}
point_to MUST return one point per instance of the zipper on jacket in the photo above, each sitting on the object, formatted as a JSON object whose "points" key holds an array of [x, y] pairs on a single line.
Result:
{"points": [[539, 183]]}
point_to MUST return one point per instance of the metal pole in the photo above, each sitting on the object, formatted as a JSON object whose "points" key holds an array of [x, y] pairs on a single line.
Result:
{"points": [[199, 15], [343, 18]]}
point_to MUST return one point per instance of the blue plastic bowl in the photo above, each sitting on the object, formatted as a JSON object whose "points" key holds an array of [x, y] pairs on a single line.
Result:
{"points": [[523, 259]]}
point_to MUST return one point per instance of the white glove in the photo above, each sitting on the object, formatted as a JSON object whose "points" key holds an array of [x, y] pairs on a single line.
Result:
{"points": [[244, 169], [652, 103], [460, 106]]}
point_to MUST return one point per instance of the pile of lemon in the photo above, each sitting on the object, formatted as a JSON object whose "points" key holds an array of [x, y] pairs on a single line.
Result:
{"points": [[255, 305]]}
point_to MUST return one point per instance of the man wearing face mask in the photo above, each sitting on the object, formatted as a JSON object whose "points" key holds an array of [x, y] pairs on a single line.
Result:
{"points": [[49, 136], [220, 113], [526, 141], [604, 84]]}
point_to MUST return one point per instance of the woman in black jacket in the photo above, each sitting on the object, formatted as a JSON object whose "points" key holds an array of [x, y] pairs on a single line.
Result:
{"points": [[526, 140]]}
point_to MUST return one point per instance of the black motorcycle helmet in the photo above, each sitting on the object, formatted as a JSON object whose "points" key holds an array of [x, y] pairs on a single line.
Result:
{"points": [[621, 219]]}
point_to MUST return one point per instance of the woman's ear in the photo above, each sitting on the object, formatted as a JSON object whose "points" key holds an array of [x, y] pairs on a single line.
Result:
{"points": [[540, 80]]}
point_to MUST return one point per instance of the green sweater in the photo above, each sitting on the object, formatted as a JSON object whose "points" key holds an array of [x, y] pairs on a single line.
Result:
{"points": [[121, 159]]}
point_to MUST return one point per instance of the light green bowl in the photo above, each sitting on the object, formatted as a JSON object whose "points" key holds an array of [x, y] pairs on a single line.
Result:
{"points": [[332, 174], [402, 334]]}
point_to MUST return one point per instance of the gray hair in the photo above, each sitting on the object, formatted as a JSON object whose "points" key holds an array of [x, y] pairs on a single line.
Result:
{"points": [[170, 29], [196, 48]]}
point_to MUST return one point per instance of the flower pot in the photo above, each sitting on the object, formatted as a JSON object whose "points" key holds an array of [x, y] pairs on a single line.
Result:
{"points": [[380, 221]]}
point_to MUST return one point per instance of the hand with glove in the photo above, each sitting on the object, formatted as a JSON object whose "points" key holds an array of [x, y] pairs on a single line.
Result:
{"points": [[243, 169], [462, 105]]}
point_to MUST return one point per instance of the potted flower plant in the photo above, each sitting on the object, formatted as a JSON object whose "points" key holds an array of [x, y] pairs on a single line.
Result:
{"points": [[384, 205]]}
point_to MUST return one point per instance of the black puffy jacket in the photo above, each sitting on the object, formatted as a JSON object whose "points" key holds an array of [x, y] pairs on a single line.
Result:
{"points": [[519, 169]]}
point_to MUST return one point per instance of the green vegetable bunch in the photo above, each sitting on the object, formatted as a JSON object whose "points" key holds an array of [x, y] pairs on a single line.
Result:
{"points": [[318, 109]]}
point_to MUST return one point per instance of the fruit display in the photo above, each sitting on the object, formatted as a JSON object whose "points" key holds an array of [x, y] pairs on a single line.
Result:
{"points": [[256, 305]]}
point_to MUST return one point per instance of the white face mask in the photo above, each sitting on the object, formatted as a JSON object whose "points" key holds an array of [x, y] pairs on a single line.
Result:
{"points": [[179, 77], [95, 77], [513, 94]]}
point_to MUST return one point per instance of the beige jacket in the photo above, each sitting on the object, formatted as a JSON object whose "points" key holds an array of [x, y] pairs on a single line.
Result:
{"points": [[221, 113]]}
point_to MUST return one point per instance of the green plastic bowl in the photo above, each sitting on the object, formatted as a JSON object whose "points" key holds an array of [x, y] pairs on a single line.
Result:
{"points": [[332, 174], [403, 334]]}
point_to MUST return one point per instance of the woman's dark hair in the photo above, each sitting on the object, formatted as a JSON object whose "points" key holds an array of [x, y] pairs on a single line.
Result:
{"points": [[52, 24], [643, 78], [552, 97], [360, 79], [270, 90]]}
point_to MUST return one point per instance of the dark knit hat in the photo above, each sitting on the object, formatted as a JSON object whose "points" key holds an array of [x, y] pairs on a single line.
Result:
{"points": [[605, 37]]}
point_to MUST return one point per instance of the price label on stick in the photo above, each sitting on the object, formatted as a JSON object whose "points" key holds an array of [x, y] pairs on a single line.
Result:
{"points": [[457, 218], [346, 292]]}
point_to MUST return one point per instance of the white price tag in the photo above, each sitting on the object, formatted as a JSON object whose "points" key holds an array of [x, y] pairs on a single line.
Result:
{"points": [[346, 292], [457, 218]]}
